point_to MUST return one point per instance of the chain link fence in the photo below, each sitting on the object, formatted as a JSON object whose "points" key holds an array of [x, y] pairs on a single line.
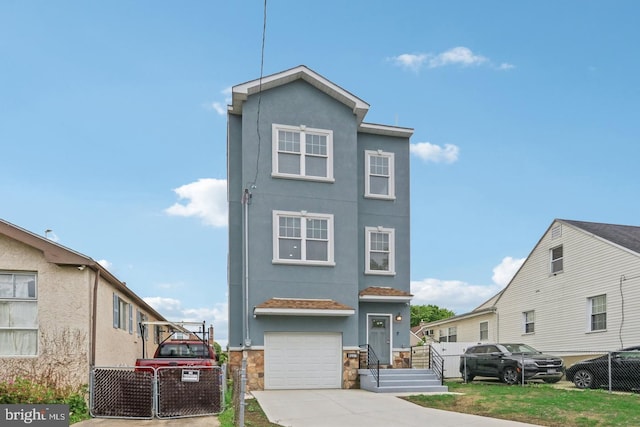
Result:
{"points": [[609, 370], [145, 393], [239, 390]]}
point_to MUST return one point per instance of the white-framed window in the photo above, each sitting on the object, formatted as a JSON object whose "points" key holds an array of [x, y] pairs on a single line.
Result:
{"points": [[379, 179], [484, 331], [529, 321], [557, 256], [300, 152], [380, 251], [122, 314], [303, 238], [597, 309], [18, 314], [449, 334]]}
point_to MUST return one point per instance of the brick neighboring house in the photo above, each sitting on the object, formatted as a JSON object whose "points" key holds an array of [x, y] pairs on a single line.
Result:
{"points": [[319, 236], [61, 312]]}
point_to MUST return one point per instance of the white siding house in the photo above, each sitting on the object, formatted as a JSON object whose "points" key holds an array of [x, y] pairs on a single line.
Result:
{"points": [[577, 292]]}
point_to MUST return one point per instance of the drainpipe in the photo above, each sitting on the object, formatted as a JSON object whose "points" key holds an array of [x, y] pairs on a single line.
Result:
{"points": [[94, 310]]}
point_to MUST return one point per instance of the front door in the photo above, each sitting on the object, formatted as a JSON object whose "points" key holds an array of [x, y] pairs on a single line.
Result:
{"points": [[380, 337]]}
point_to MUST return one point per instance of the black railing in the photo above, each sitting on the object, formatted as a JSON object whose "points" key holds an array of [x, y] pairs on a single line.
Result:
{"points": [[436, 363], [373, 363]]}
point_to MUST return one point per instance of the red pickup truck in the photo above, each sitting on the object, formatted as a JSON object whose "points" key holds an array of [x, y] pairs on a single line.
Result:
{"points": [[180, 353]]}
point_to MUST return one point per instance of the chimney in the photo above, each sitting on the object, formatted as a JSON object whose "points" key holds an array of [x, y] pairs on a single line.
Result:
{"points": [[211, 334]]}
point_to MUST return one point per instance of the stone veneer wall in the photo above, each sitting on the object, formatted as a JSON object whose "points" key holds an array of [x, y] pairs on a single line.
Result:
{"points": [[402, 359], [255, 369]]}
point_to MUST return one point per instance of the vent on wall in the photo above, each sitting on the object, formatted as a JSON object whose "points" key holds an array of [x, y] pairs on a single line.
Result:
{"points": [[556, 231]]}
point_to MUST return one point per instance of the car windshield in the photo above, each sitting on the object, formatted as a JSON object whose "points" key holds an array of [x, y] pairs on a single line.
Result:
{"points": [[520, 348]]}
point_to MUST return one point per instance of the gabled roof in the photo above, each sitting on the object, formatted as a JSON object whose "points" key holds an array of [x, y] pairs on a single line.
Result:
{"points": [[241, 93], [61, 255], [627, 236]]}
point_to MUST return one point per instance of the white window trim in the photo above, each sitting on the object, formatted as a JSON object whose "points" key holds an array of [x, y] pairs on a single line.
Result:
{"points": [[392, 251], [367, 174], [303, 131], [303, 215], [551, 260], [525, 323], [23, 328], [590, 313]]}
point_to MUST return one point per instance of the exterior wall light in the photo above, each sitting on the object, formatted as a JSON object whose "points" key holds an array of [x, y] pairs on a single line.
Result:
{"points": [[398, 317]]}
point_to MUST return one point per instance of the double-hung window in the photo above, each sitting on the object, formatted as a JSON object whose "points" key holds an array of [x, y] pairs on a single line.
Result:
{"points": [[597, 313], [303, 238], [18, 314], [529, 321], [380, 250], [557, 257], [300, 152], [122, 314], [379, 175], [484, 331]]}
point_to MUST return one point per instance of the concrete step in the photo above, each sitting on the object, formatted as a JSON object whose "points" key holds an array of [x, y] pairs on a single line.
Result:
{"points": [[402, 380]]}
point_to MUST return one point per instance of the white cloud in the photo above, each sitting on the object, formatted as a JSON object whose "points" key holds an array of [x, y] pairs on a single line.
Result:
{"points": [[457, 56], [410, 61], [207, 199], [462, 297], [435, 153], [504, 272], [105, 264], [460, 56], [221, 107], [216, 315]]}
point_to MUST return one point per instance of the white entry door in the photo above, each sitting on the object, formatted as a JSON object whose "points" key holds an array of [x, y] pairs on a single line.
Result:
{"points": [[297, 360]]}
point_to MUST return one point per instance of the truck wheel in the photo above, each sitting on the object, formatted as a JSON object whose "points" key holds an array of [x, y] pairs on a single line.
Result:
{"points": [[510, 376]]}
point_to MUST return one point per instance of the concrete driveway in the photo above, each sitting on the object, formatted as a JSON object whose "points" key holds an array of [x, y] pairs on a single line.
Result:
{"points": [[349, 408]]}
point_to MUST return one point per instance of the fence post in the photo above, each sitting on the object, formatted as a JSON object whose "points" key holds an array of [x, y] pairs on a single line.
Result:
{"points": [[243, 385], [609, 373]]}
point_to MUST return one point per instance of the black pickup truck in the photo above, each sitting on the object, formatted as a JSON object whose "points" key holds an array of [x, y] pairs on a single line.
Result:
{"points": [[507, 361]]}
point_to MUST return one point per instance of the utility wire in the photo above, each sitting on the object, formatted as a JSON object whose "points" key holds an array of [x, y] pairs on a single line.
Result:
{"points": [[264, 33]]}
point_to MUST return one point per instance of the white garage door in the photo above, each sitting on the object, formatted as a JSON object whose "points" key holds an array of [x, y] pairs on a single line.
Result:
{"points": [[294, 360]]}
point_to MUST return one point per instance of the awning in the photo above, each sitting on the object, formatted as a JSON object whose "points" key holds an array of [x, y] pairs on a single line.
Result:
{"points": [[302, 307]]}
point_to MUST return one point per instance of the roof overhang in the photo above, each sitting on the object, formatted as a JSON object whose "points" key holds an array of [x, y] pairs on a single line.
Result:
{"points": [[302, 307], [241, 92], [301, 312], [384, 298]]}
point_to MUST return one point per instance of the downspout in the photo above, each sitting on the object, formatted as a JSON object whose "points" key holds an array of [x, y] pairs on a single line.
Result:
{"points": [[94, 321]]}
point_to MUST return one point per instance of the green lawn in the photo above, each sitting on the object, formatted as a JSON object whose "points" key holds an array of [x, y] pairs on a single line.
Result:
{"points": [[541, 404]]}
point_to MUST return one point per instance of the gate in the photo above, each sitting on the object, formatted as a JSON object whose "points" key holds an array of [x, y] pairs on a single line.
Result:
{"points": [[451, 352], [168, 392]]}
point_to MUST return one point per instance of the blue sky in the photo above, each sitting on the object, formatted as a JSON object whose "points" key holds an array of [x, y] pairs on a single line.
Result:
{"points": [[113, 127]]}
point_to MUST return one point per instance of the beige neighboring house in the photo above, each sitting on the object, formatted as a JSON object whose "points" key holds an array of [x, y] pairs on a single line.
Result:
{"points": [[578, 291], [61, 312]]}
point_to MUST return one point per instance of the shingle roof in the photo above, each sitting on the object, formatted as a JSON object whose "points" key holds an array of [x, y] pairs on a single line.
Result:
{"points": [[304, 304], [627, 236], [384, 291]]}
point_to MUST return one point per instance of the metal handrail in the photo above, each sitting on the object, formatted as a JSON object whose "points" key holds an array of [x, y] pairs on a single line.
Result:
{"points": [[436, 363], [373, 363]]}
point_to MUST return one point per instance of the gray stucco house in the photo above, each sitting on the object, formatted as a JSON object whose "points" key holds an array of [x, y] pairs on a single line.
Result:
{"points": [[318, 233]]}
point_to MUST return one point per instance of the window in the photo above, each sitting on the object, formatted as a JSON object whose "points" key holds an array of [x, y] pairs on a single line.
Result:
{"points": [[449, 334], [598, 313], [302, 153], [379, 176], [484, 331], [122, 314], [529, 320], [380, 250], [18, 314], [302, 238], [556, 260]]}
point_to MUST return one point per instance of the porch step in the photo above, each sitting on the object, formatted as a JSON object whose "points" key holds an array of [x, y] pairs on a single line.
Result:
{"points": [[402, 380]]}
